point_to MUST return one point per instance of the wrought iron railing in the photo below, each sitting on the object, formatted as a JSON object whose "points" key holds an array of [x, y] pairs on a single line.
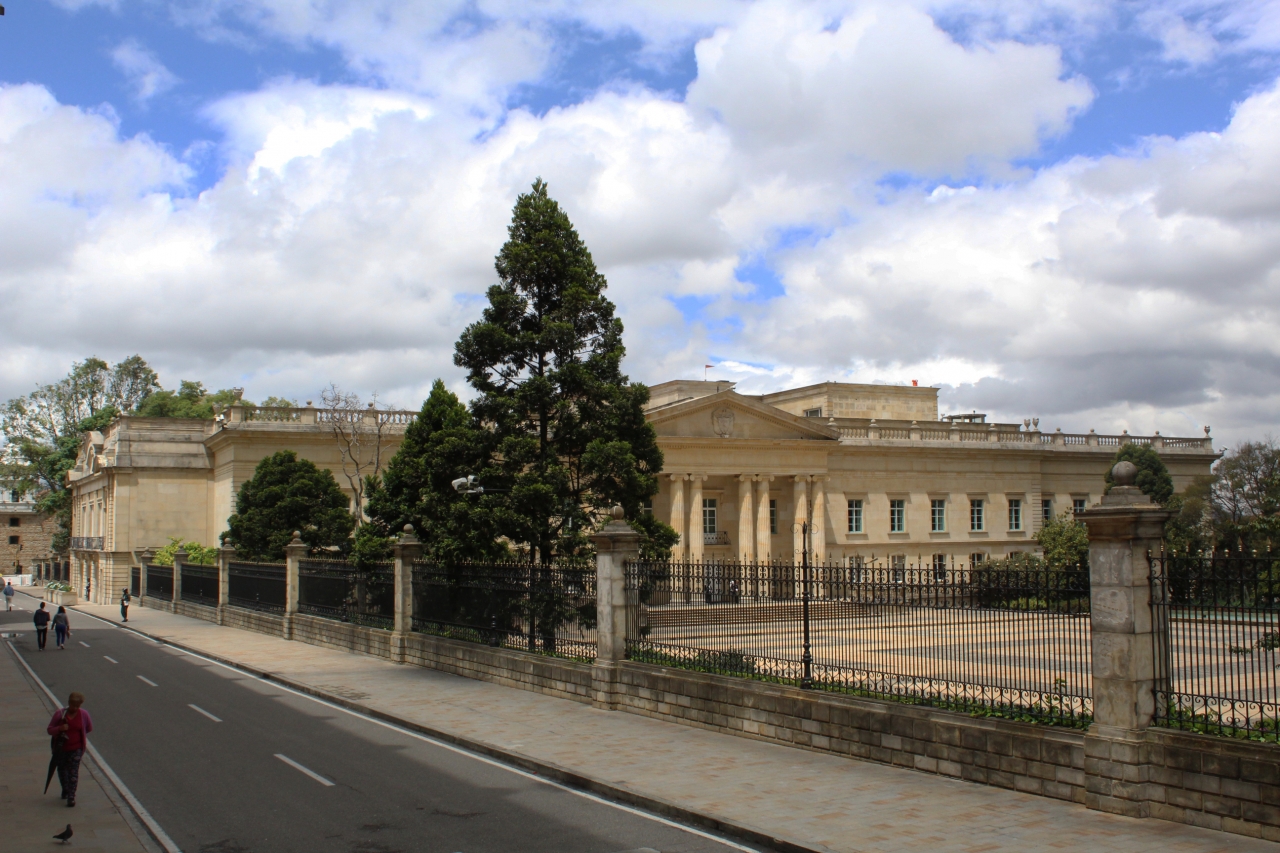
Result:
{"points": [[135, 581], [200, 584], [160, 582], [548, 609], [256, 586], [336, 589], [1014, 643], [1217, 644], [87, 543]]}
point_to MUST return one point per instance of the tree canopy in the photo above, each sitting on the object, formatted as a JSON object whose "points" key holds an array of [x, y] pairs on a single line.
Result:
{"points": [[442, 444], [191, 400], [567, 426], [1153, 477], [1065, 542], [287, 494]]}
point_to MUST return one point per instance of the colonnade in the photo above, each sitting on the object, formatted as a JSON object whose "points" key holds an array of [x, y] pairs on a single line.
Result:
{"points": [[754, 540]]}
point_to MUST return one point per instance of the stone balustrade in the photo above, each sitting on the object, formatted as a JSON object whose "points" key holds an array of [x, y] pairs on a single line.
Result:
{"points": [[1007, 437]]}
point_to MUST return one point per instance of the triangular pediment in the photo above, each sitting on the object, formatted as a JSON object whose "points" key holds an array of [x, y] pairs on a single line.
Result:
{"points": [[729, 415]]}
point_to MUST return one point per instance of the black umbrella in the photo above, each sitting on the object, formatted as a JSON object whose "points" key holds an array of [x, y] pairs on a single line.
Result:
{"points": [[53, 759]]}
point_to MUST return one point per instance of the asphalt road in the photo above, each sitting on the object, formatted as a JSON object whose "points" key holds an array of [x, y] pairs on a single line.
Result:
{"points": [[278, 772]]}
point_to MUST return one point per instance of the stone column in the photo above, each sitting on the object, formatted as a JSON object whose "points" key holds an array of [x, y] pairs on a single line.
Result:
{"points": [[680, 552], [225, 555], [746, 520], [293, 554], [179, 557], [1123, 530], [406, 550], [695, 517], [764, 539], [617, 609], [144, 559], [802, 513], [818, 525]]}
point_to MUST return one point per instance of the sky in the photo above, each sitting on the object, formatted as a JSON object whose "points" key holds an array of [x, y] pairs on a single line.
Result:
{"points": [[1063, 209]]}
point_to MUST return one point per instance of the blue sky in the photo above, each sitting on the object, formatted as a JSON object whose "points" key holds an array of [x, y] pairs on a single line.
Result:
{"points": [[1027, 150]]}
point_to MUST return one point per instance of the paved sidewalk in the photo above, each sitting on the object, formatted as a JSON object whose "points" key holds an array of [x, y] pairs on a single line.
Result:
{"points": [[824, 802], [29, 819]]}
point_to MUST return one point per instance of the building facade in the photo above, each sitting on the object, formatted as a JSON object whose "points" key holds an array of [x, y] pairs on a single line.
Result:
{"points": [[871, 470], [27, 534]]}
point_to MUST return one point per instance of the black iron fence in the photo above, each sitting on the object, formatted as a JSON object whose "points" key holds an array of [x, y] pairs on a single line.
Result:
{"points": [[336, 589], [256, 586], [200, 584], [549, 609], [135, 581], [994, 640], [160, 582], [1217, 634]]}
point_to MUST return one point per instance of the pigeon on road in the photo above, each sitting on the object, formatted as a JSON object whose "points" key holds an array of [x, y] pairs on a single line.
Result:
{"points": [[65, 834]]}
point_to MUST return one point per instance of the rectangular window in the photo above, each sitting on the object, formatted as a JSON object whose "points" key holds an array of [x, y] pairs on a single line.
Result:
{"points": [[646, 508], [976, 559], [898, 562], [773, 516], [940, 567], [897, 516], [1046, 509], [977, 521], [1077, 504], [937, 515], [708, 515], [15, 522], [813, 413], [855, 516], [13, 540], [1015, 514]]}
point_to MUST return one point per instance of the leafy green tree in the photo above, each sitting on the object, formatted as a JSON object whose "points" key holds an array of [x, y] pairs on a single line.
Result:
{"points": [[1153, 477], [442, 444], [287, 494], [197, 554], [1246, 497], [569, 434], [281, 402], [1065, 542], [191, 400]]}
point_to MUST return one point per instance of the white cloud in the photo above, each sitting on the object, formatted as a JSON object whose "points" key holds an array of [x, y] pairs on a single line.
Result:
{"points": [[145, 72]]}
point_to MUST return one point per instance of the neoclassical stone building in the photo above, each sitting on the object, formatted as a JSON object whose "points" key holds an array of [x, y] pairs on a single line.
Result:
{"points": [[871, 467]]}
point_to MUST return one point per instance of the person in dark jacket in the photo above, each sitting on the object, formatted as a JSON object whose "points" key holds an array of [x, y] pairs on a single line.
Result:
{"points": [[42, 626], [124, 605], [70, 725], [61, 626]]}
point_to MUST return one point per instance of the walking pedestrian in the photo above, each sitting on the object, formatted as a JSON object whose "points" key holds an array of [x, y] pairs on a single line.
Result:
{"points": [[70, 729], [61, 626], [124, 605], [8, 595], [42, 626]]}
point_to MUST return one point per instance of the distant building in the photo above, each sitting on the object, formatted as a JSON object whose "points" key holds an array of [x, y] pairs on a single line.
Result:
{"points": [[873, 467], [27, 535]]}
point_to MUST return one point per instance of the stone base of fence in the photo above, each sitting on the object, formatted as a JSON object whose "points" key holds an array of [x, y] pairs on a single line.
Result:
{"points": [[1184, 777], [154, 603]]}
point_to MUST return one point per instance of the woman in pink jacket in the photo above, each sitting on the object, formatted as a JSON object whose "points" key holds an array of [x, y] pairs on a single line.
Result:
{"points": [[70, 729]]}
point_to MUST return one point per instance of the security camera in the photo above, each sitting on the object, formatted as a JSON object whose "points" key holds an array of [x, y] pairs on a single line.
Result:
{"points": [[460, 484]]}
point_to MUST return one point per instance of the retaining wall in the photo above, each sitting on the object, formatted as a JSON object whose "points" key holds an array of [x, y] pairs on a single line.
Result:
{"points": [[334, 634], [568, 679], [195, 611], [253, 620]]}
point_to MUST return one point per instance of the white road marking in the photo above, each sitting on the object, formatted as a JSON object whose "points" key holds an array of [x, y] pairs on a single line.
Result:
{"points": [[145, 816], [296, 766], [110, 658], [147, 680], [203, 711], [83, 643]]}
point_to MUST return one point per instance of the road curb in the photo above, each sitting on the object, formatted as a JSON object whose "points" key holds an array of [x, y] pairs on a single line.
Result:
{"points": [[546, 769]]}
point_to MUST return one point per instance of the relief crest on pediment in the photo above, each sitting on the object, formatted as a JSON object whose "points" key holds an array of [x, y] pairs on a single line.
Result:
{"points": [[722, 421]]}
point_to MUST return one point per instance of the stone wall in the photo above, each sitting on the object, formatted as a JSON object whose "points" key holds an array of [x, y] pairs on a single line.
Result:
{"points": [[554, 676], [253, 620], [195, 611], [333, 634]]}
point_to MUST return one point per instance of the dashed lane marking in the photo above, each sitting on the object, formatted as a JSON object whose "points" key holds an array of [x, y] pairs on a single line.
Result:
{"points": [[146, 680], [296, 766]]}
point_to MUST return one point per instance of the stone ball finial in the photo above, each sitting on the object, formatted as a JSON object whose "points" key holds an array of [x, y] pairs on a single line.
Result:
{"points": [[618, 513], [408, 529], [1124, 473], [297, 536]]}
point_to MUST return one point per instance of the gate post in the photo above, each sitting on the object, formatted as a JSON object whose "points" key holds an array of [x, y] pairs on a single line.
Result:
{"points": [[225, 553], [144, 560], [293, 554], [179, 557], [406, 550], [1124, 529], [616, 544]]}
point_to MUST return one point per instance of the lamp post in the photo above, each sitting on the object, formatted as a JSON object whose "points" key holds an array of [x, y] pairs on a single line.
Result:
{"points": [[806, 657]]}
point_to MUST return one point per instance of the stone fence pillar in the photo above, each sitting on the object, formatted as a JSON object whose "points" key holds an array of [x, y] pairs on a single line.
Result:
{"points": [[293, 554], [1124, 529], [616, 544], [144, 559], [225, 555], [406, 550], [179, 557]]}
